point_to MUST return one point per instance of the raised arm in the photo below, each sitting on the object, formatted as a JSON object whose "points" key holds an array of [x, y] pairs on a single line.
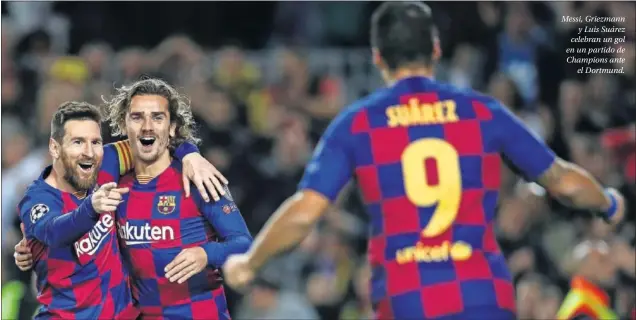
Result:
{"points": [[45, 221], [43, 217]]}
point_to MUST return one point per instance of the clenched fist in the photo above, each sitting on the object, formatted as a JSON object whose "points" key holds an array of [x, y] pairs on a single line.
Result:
{"points": [[107, 197]]}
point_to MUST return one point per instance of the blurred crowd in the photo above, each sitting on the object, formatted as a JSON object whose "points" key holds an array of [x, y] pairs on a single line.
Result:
{"points": [[260, 112]]}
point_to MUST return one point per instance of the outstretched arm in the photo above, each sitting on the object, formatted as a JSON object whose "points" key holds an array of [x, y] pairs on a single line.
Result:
{"points": [[326, 174], [565, 181], [44, 219]]}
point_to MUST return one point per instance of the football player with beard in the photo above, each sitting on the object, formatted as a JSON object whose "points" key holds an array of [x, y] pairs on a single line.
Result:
{"points": [[70, 225]]}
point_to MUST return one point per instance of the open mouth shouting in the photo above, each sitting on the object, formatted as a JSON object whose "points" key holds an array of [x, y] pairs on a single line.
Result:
{"points": [[147, 142], [86, 167]]}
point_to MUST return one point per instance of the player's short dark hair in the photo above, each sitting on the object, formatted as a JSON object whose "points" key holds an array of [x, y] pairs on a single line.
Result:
{"points": [[403, 33], [72, 110], [178, 105]]}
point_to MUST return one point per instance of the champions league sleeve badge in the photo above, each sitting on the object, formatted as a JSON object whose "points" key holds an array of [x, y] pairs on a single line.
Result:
{"points": [[38, 211]]}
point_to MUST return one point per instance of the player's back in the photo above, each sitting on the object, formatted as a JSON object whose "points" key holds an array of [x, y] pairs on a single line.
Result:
{"points": [[85, 279], [427, 163]]}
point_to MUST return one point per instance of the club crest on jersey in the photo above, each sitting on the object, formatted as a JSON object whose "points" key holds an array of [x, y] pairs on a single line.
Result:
{"points": [[167, 204], [38, 211], [229, 208]]}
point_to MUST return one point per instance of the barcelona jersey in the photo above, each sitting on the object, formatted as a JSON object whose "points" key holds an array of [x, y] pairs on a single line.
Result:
{"points": [[79, 268], [156, 222], [427, 159]]}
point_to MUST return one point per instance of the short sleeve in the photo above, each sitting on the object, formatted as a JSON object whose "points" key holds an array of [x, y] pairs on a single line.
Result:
{"points": [[332, 163], [519, 145]]}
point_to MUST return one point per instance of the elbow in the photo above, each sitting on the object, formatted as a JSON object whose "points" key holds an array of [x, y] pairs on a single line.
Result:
{"points": [[237, 244], [53, 242], [302, 216], [48, 237], [562, 181], [564, 193]]}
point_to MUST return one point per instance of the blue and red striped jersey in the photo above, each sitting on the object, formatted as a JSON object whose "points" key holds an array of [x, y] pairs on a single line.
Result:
{"points": [[75, 250], [156, 222], [427, 160]]}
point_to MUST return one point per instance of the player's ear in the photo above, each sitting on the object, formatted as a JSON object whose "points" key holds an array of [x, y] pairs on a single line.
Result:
{"points": [[54, 148], [437, 50], [173, 129], [377, 59]]}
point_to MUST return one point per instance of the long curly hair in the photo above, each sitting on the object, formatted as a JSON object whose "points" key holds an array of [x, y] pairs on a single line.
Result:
{"points": [[118, 106]]}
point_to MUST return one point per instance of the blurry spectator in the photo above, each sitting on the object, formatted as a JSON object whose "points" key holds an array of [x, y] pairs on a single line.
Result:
{"points": [[266, 300], [502, 88], [463, 69], [551, 298], [217, 117], [19, 162], [593, 271], [176, 59], [297, 23], [529, 296], [131, 64], [571, 104], [98, 57], [10, 95], [328, 284], [29, 16], [283, 168], [236, 75], [518, 51], [598, 112], [361, 307], [50, 96], [292, 89]]}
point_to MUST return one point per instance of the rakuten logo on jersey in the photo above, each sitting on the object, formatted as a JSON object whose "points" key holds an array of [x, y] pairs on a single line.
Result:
{"points": [[90, 242], [145, 233]]}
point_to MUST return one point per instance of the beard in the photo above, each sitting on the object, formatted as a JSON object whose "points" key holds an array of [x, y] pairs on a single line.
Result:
{"points": [[73, 176]]}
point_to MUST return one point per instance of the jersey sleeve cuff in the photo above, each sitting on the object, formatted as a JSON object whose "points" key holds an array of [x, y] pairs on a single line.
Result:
{"points": [[548, 161], [331, 196], [87, 208], [211, 250]]}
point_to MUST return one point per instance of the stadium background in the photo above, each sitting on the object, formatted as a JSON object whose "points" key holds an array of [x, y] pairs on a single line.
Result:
{"points": [[266, 77]]}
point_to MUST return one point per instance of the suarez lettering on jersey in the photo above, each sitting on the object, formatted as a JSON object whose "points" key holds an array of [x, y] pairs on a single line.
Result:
{"points": [[427, 157]]}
